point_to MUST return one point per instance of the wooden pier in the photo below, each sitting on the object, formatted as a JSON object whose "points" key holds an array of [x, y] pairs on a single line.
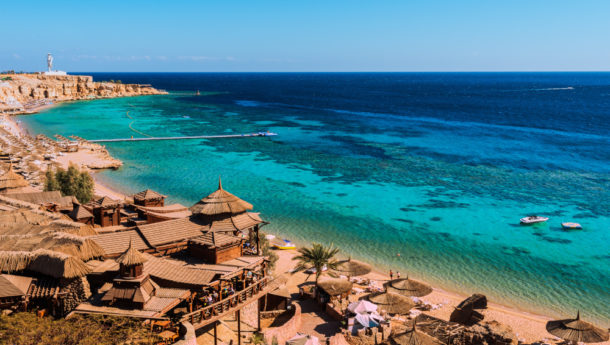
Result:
{"points": [[249, 135]]}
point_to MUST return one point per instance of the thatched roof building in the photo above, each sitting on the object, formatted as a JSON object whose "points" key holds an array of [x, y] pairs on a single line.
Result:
{"points": [[11, 181], [149, 198], [131, 257], [80, 214], [47, 262], [154, 214], [49, 199], [57, 265], [220, 202]]}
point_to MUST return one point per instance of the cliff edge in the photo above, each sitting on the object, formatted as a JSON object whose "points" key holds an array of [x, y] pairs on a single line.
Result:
{"points": [[23, 93]]}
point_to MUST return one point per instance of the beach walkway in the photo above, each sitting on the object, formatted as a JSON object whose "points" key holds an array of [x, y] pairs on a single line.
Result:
{"points": [[249, 135]]}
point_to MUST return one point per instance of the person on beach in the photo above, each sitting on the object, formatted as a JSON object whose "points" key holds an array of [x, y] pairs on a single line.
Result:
{"points": [[397, 275], [391, 275]]}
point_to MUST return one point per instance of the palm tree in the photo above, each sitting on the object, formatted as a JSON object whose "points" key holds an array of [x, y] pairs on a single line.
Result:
{"points": [[316, 257]]}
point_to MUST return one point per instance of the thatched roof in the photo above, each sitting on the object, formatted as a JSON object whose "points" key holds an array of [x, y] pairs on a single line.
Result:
{"points": [[577, 330], [24, 218], [352, 267], [214, 240], [57, 265], [131, 256], [104, 202], [44, 198], [412, 336], [81, 247], [392, 303], [408, 287], [335, 286], [80, 212], [14, 261], [234, 222], [220, 202], [10, 179], [148, 195]]}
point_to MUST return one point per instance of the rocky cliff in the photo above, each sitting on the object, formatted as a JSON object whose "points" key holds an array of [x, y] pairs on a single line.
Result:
{"points": [[25, 92]]}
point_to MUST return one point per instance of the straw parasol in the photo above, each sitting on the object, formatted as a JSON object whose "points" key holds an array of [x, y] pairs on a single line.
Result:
{"points": [[10, 179], [414, 337], [131, 256], [577, 330], [392, 303], [335, 286], [408, 287], [353, 268], [220, 202]]}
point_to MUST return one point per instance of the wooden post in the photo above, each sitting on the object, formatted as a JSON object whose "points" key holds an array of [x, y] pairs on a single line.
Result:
{"points": [[215, 334], [257, 241], [239, 327], [258, 314]]}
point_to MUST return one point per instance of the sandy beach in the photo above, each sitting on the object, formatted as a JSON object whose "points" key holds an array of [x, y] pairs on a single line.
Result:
{"points": [[528, 327]]}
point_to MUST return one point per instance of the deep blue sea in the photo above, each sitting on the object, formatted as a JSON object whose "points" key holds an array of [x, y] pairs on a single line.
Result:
{"points": [[438, 167]]}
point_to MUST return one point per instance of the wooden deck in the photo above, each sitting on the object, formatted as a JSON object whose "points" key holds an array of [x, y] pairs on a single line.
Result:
{"points": [[249, 135], [212, 313]]}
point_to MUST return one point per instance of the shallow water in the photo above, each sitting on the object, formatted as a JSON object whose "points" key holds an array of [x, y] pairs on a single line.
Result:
{"points": [[437, 167]]}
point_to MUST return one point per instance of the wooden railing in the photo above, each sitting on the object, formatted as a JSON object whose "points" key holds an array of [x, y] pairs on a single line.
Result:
{"points": [[206, 313]]}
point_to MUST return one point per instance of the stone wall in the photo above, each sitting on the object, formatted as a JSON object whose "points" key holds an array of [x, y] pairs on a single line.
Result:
{"points": [[74, 291], [287, 330], [249, 314], [189, 337]]}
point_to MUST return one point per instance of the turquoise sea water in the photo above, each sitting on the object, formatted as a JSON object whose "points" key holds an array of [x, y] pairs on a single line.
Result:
{"points": [[446, 192]]}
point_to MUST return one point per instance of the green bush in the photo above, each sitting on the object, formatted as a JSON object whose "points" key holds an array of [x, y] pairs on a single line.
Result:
{"points": [[265, 247], [71, 182]]}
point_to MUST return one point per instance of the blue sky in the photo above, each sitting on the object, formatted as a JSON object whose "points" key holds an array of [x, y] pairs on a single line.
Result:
{"points": [[307, 35]]}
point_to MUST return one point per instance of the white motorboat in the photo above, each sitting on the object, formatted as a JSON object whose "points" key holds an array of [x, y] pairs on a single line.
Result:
{"points": [[533, 220]]}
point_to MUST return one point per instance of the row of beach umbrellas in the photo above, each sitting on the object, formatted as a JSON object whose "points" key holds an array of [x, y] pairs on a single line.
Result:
{"points": [[394, 300]]}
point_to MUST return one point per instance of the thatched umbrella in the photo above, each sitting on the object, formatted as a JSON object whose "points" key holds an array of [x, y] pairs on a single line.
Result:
{"points": [[413, 337], [353, 268], [408, 287], [392, 303], [220, 202], [10, 179], [335, 286], [577, 330]]}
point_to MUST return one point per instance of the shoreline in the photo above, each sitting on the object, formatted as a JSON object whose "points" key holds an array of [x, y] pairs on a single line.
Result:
{"points": [[529, 326]]}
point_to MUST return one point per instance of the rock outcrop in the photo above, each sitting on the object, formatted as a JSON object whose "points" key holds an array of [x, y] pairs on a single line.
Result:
{"points": [[22, 92], [469, 311]]}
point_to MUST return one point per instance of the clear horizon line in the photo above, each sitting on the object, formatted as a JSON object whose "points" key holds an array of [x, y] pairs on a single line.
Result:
{"points": [[449, 71]]}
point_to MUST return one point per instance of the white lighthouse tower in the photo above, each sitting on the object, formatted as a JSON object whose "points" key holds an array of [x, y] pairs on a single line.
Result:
{"points": [[50, 70]]}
